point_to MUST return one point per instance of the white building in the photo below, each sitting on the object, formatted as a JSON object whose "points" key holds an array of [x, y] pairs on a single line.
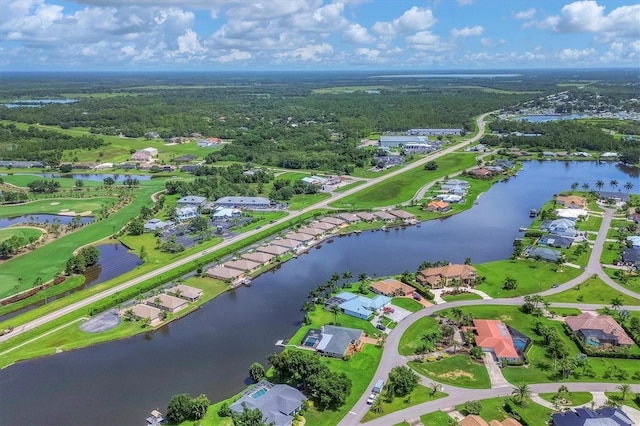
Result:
{"points": [[186, 213], [151, 151]]}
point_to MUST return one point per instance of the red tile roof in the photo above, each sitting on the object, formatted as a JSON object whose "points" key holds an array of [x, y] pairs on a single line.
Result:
{"points": [[590, 321], [493, 334]]}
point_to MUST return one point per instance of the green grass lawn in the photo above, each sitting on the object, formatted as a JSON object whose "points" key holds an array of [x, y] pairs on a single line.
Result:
{"points": [[493, 409], [69, 284], [631, 282], [406, 303], [459, 370], [300, 201], [57, 205], [610, 253], [410, 340], [262, 218], [25, 233], [591, 224], [573, 398], [419, 395], [594, 290], [349, 186], [532, 276], [633, 402], [461, 296], [24, 180], [402, 187], [437, 418]]}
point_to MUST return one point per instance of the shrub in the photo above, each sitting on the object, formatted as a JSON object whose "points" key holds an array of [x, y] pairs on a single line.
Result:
{"points": [[473, 407]]}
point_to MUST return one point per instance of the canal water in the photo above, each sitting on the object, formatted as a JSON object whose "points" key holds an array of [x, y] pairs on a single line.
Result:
{"points": [[210, 350]]}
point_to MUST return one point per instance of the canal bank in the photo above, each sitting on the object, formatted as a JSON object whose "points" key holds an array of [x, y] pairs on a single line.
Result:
{"points": [[210, 350]]}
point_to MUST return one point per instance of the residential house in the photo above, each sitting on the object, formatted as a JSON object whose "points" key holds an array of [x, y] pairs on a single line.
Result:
{"points": [[259, 257], [495, 170], [297, 236], [548, 154], [243, 265], [155, 224], [186, 292], [273, 249], [494, 337], [634, 217], [103, 166], [142, 311], [127, 166], [505, 163], [476, 148], [141, 156], [323, 226], [604, 416], [442, 276], [454, 184], [185, 158], [634, 240], [482, 172], [349, 217], [438, 206], [572, 213], [367, 217], [338, 342], [572, 201], [609, 156], [288, 243], [392, 288], [192, 200], [311, 230], [450, 198], [404, 216], [244, 202], [278, 403], [562, 227], [544, 253], [167, 302], [189, 168], [333, 221], [557, 241], [204, 144], [473, 420], [598, 330], [620, 197], [186, 213], [382, 215], [358, 306], [153, 152], [225, 274]]}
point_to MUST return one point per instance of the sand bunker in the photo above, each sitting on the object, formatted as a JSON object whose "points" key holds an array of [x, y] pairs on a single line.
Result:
{"points": [[55, 203], [67, 212], [456, 373]]}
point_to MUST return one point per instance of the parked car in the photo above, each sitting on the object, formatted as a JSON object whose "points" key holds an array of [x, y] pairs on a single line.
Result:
{"points": [[372, 398], [554, 286], [388, 309], [381, 327], [417, 296]]}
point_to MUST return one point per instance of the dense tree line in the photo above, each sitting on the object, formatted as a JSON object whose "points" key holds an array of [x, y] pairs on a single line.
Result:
{"points": [[40, 145], [328, 390], [12, 197], [44, 186], [11, 245], [216, 182]]}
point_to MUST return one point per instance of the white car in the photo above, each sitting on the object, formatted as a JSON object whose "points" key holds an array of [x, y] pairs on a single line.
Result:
{"points": [[372, 398]]}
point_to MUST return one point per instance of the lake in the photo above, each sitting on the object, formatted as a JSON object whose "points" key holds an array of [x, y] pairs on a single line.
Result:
{"points": [[210, 350], [42, 218], [98, 177]]}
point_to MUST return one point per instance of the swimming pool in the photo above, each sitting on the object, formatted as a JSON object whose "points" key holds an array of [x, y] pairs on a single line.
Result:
{"points": [[520, 344], [257, 394], [311, 341]]}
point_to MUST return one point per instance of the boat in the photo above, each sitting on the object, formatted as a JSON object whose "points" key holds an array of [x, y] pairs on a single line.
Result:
{"points": [[246, 281], [156, 418], [533, 213], [523, 229]]}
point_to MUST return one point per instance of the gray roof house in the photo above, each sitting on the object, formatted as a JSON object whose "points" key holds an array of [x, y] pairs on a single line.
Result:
{"points": [[336, 341], [544, 253], [558, 241], [277, 403], [605, 416], [191, 200], [244, 202]]}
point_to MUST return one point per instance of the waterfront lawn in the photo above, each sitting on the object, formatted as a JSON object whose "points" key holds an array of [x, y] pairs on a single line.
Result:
{"points": [[419, 395], [69, 284], [300, 201], [25, 233], [461, 296], [532, 276], [410, 340], [360, 369], [437, 418], [403, 186], [493, 409], [406, 303], [458, 370], [592, 223], [57, 205], [594, 290], [572, 398]]}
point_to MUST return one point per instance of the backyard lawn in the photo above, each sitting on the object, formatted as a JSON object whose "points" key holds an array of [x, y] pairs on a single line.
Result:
{"points": [[437, 418], [419, 395], [572, 398], [493, 409], [410, 340], [532, 276], [591, 224], [461, 296], [406, 303], [459, 370], [594, 290]]}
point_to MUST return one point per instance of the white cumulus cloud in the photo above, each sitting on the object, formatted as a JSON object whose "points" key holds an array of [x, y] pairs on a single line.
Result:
{"points": [[312, 53], [525, 14], [467, 31], [357, 34], [575, 55], [414, 19]]}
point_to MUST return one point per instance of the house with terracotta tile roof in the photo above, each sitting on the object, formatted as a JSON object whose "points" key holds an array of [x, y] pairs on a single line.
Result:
{"points": [[598, 331], [572, 201], [473, 420], [494, 337], [442, 276], [438, 206], [481, 172], [392, 288]]}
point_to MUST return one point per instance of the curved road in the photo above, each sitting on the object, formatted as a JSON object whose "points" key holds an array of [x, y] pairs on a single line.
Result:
{"points": [[107, 293]]}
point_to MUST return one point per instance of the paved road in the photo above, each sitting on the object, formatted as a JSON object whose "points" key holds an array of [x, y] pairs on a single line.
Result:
{"points": [[391, 358], [161, 270]]}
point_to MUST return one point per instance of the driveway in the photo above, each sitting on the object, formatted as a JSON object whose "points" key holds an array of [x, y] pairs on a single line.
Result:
{"points": [[495, 373]]}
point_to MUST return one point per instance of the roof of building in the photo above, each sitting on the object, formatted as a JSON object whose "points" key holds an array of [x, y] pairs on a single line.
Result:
{"points": [[332, 220], [494, 334], [402, 214], [384, 215], [572, 200], [145, 311], [473, 420], [244, 201], [166, 301], [311, 230], [258, 256], [555, 240], [336, 340], [438, 204], [273, 249], [298, 236], [605, 416], [571, 213], [365, 216], [223, 272], [276, 404], [349, 217], [155, 223], [242, 264], [186, 291], [286, 242], [450, 271], [228, 212], [390, 286], [324, 226], [544, 253], [604, 323], [458, 182], [361, 304]]}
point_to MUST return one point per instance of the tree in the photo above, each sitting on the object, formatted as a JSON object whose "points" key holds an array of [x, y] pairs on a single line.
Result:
{"points": [[521, 393], [434, 387], [135, 227], [249, 417], [431, 165], [628, 186], [256, 372], [376, 406], [346, 275], [625, 391], [362, 277], [199, 224], [142, 253], [585, 186], [616, 303], [335, 310], [613, 184], [574, 186], [476, 352], [179, 408], [510, 283], [473, 407], [599, 185], [79, 184], [199, 407], [402, 380], [108, 182]]}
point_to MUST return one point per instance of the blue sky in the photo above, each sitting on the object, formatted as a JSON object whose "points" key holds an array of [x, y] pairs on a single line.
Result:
{"points": [[317, 34]]}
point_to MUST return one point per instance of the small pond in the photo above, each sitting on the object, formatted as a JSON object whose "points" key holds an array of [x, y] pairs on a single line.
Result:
{"points": [[42, 218], [98, 177]]}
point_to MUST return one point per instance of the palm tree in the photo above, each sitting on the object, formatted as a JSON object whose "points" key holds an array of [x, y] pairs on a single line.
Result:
{"points": [[362, 277], [307, 306], [628, 186], [599, 185], [335, 310], [613, 184], [585, 186], [376, 406], [574, 186], [616, 303], [456, 313], [347, 275], [435, 387], [455, 344], [625, 391], [521, 393]]}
